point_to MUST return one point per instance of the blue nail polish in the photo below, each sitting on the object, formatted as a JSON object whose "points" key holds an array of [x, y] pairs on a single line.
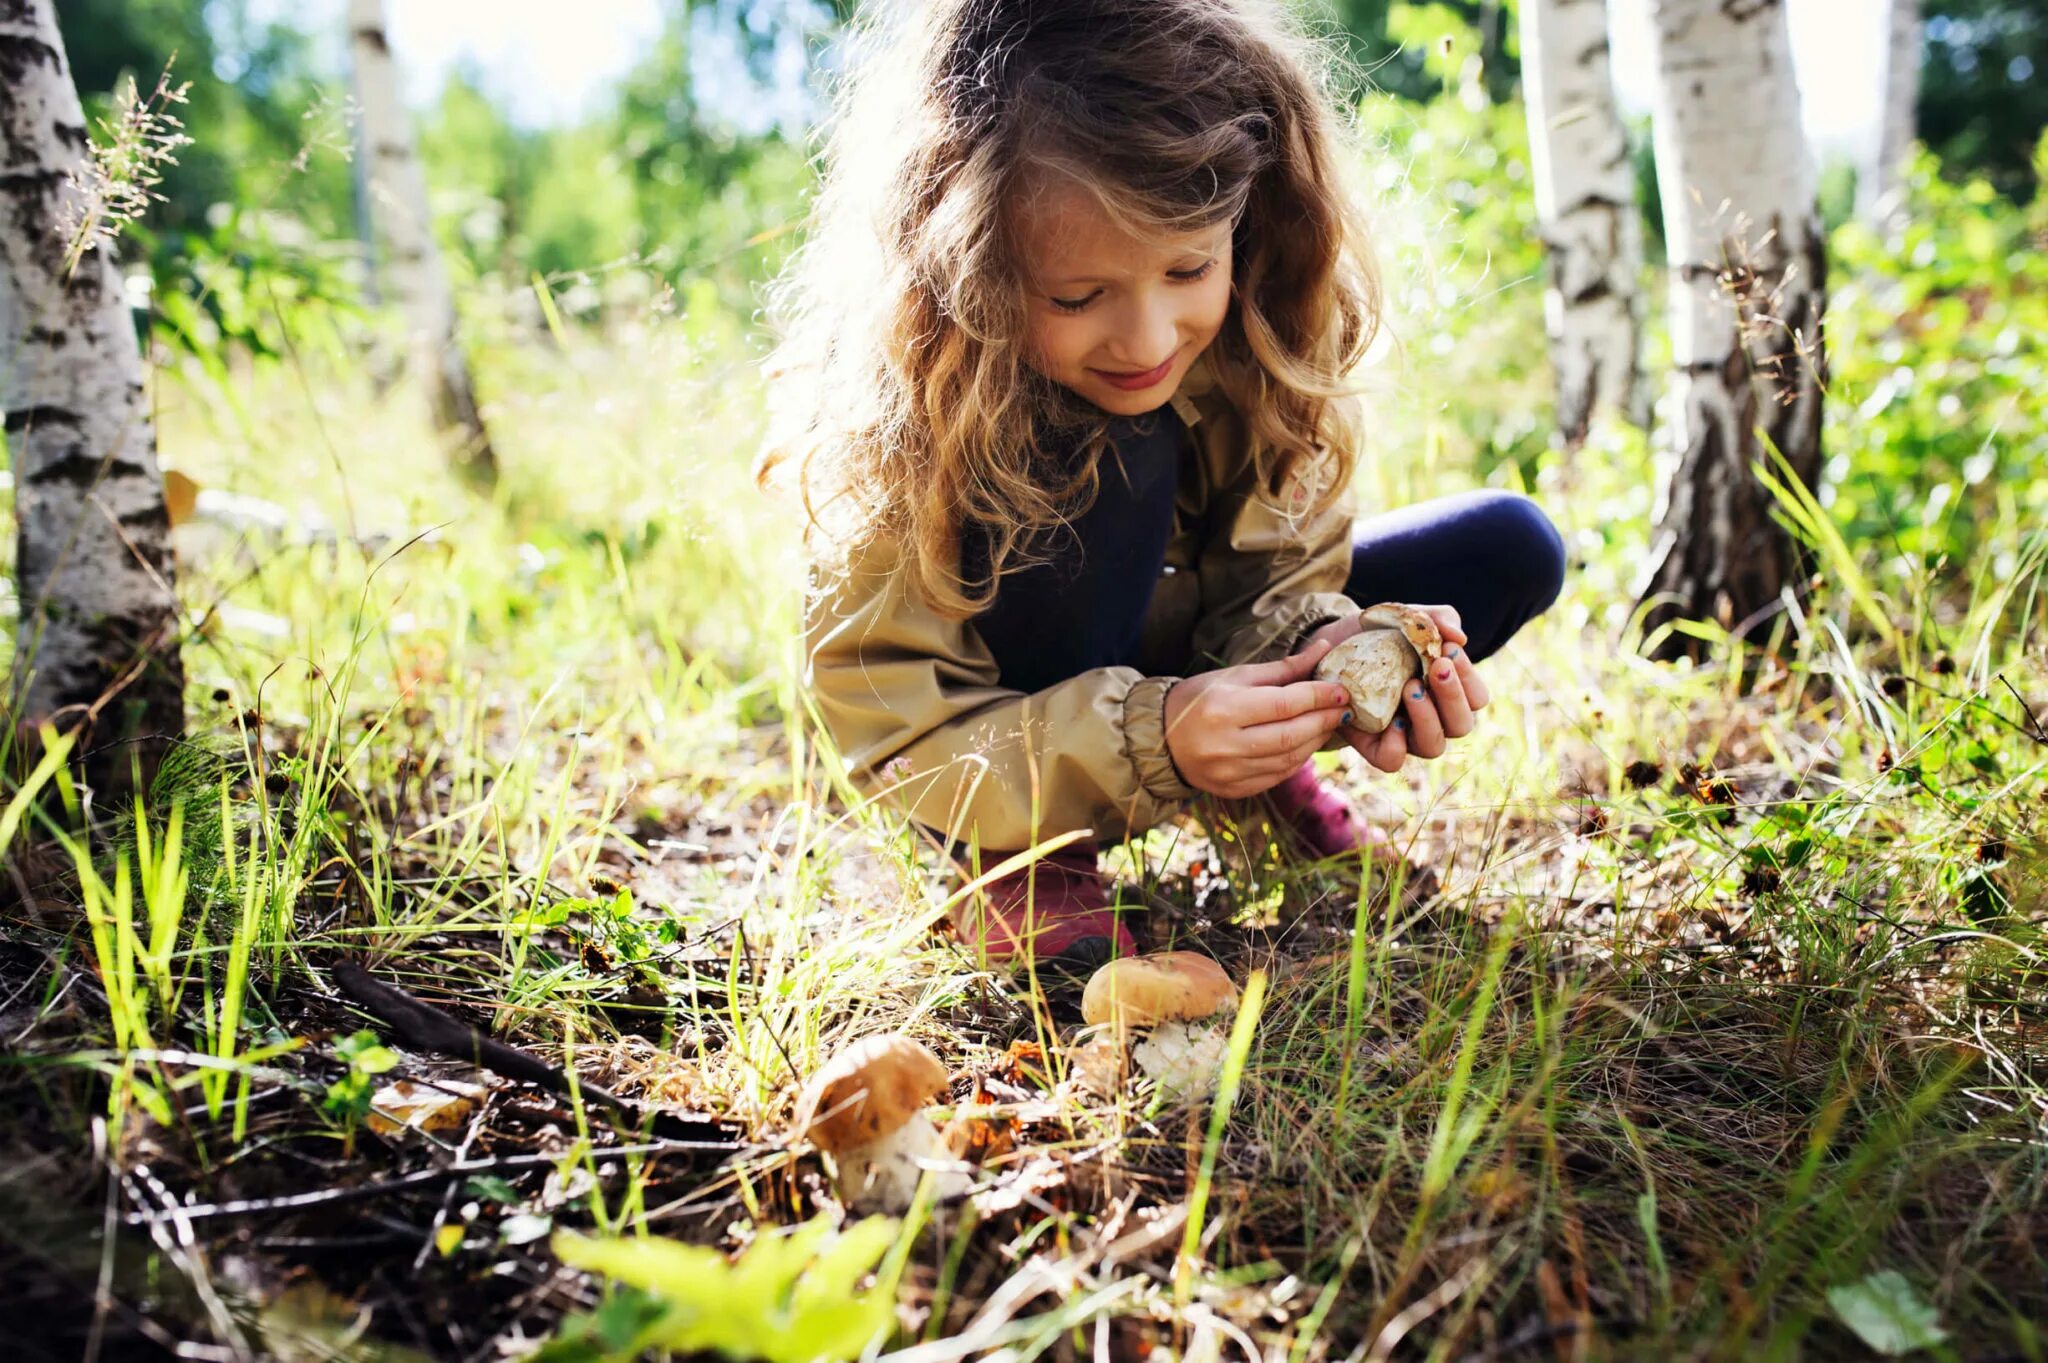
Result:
{"points": [[1452, 650], [1400, 721], [1416, 694], [1347, 717]]}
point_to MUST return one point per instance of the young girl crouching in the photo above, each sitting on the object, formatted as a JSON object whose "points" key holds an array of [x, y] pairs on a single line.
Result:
{"points": [[1063, 379]]}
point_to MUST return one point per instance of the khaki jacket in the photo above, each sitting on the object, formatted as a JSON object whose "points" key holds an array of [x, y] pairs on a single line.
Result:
{"points": [[915, 706]]}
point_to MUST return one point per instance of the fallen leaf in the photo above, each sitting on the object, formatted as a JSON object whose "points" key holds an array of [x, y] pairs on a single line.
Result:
{"points": [[181, 494], [525, 1228], [437, 1108]]}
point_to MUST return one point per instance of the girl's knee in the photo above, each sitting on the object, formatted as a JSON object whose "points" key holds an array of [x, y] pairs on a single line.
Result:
{"points": [[1521, 536]]}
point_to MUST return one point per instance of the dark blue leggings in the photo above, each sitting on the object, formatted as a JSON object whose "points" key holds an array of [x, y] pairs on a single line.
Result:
{"points": [[1493, 556]]}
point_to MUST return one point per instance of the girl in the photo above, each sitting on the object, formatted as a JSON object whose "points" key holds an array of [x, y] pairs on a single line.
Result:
{"points": [[1063, 379]]}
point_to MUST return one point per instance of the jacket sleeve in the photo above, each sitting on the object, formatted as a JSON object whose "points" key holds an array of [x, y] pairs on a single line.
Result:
{"points": [[1269, 573], [912, 701]]}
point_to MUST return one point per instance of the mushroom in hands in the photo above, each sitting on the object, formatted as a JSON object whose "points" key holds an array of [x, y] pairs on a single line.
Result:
{"points": [[1395, 642], [864, 1109], [1165, 1004]]}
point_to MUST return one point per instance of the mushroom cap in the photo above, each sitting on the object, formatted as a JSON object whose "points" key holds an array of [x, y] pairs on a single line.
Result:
{"points": [[1415, 624], [1166, 986], [868, 1091]]}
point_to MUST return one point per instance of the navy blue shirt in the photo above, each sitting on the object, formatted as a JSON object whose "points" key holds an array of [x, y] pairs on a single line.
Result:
{"points": [[1084, 607]]}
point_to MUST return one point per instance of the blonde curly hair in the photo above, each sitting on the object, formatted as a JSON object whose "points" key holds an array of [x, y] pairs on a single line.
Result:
{"points": [[899, 389]]}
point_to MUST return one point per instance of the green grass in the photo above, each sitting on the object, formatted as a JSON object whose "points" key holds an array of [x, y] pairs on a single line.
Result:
{"points": [[1728, 994]]}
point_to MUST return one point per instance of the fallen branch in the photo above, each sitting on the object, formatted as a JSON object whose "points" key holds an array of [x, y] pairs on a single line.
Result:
{"points": [[357, 1192], [424, 1027]]}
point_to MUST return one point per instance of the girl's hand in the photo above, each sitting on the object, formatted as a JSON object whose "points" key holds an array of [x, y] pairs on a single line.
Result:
{"points": [[1435, 709], [1239, 731]]}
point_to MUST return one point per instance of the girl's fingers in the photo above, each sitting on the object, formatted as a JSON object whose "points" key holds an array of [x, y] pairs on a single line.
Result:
{"points": [[1453, 707], [1271, 740], [1447, 623], [1301, 756], [1267, 773], [1281, 671], [1255, 706], [1386, 750], [1425, 725], [1476, 693]]}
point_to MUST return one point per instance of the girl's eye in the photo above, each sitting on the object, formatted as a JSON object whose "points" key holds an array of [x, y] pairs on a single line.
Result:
{"points": [[1181, 276]]}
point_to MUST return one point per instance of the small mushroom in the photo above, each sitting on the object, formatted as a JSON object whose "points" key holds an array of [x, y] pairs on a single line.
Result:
{"points": [[1165, 1005], [865, 1111], [1395, 643]]}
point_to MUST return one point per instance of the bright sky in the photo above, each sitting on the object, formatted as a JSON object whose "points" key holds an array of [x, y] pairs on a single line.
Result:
{"points": [[549, 69]]}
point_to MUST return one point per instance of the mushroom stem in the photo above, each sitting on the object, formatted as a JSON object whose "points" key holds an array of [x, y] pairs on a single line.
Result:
{"points": [[883, 1175], [1183, 1058]]}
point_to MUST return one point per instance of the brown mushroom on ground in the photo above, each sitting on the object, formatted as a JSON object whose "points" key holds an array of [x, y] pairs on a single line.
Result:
{"points": [[1396, 643], [1165, 1007], [865, 1111]]}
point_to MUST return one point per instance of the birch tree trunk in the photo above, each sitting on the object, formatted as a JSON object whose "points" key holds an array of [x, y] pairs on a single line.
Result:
{"points": [[1586, 201], [1877, 192], [96, 646], [413, 268], [1748, 291]]}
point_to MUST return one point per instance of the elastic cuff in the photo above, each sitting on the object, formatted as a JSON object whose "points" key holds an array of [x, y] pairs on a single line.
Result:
{"points": [[1308, 627], [1145, 740]]}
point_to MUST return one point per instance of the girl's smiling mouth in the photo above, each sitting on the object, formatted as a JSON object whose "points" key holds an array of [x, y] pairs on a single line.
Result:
{"points": [[1132, 382]]}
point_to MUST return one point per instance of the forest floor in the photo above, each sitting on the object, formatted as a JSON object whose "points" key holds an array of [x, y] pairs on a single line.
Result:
{"points": [[1712, 1026]]}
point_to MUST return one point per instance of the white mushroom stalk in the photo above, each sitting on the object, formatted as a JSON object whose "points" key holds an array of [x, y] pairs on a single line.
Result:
{"points": [[1183, 1058], [864, 1111], [1171, 1009], [883, 1175]]}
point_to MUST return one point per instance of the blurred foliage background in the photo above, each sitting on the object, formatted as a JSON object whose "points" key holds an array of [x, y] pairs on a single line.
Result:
{"points": [[1933, 329]]}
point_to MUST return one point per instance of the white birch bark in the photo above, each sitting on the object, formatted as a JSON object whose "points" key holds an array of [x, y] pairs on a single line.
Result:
{"points": [[1877, 191], [1585, 200], [97, 641], [404, 228], [1748, 292]]}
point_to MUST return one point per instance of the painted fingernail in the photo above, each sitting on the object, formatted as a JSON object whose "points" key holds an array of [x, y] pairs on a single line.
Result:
{"points": [[1400, 721], [1452, 650], [1415, 693], [1347, 717], [1444, 673]]}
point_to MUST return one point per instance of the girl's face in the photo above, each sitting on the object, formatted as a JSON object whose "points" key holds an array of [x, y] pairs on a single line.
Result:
{"points": [[1113, 319]]}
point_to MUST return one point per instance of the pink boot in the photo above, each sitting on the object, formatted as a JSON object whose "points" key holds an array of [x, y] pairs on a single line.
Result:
{"points": [[1322, 823], [1055, 911]]}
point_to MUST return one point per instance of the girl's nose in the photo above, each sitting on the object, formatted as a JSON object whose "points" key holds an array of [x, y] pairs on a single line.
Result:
{"points": [[1151, 338]]}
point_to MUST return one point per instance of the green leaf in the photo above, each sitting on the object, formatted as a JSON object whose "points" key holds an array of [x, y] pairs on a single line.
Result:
{"points": [[1887, 1314], [364, 1054], [611, 1332], [492, 1188], [787, 1298]]}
